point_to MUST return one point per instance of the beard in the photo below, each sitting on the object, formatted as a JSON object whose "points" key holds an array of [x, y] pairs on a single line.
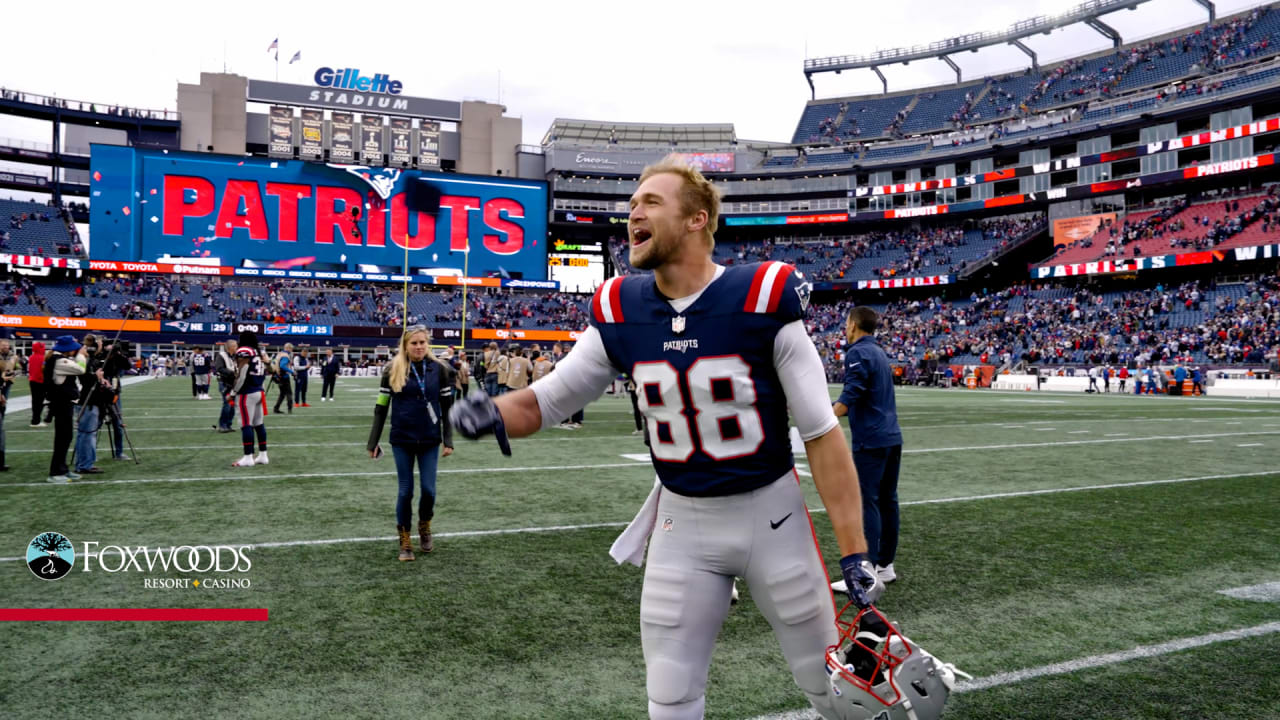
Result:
{"points": [[660, 247]]}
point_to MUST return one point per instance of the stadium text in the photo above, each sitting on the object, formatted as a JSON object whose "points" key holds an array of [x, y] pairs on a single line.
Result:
{"points": [[350, 79]]}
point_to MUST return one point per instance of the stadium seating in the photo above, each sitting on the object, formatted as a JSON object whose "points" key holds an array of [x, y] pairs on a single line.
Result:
{"points": [[1200, 226], [43, 232]]}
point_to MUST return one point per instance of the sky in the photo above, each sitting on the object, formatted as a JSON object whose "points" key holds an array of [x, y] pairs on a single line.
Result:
{"points": [[657, 61]]}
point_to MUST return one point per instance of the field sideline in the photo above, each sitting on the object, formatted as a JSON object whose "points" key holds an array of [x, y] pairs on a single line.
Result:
{"points": [[1069, 551]]}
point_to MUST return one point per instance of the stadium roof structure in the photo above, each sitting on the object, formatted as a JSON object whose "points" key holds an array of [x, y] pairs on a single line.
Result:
{"points": [[1088, 12], [597, 132]]}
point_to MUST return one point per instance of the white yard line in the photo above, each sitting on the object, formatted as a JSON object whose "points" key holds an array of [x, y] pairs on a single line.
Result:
{"points": [[910, 451], [1249, 445], [1266, 592], [475, 533], [1201, 441], [1140, 652]]}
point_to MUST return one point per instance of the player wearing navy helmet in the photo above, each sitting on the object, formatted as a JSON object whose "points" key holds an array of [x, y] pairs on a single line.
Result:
{"points": [[248, 397], [718, 354]]}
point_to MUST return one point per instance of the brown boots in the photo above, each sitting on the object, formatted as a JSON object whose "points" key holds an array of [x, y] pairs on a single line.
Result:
{"points": [[424, 536], [406, 548]]}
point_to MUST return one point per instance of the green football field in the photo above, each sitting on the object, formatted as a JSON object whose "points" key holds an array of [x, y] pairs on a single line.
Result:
{"points": [[1067, 551]]}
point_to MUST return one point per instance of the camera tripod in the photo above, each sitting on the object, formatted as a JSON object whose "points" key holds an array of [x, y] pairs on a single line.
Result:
{"points": [[111, 413]]}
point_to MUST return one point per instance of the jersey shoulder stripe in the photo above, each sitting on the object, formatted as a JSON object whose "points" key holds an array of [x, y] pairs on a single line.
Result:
{"points": [[766, 287], [606, 306]]}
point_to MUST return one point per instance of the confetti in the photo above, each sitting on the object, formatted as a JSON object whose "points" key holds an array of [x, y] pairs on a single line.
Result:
{"points": [[125, 210], [275, 165], [97, 176], [239, 163], [137, 194], [153, 191], [342, 258], [155, 219], [435, 257]]}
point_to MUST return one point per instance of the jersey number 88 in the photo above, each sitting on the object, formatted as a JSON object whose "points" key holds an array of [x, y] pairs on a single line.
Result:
{"points": [[722, 397]]}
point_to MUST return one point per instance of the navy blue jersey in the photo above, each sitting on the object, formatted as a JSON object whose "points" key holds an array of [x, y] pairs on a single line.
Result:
{"points": [[705, 377], [255, 371], [868, 393], [200, 364], [301, 365]]}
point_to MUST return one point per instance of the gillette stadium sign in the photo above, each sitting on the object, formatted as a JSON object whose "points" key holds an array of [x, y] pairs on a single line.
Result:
{"points": [[149, 204], [349, 89]]}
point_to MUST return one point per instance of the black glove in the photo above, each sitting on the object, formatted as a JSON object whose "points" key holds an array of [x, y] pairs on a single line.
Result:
{"points": [[476, 416], [860, 580]]}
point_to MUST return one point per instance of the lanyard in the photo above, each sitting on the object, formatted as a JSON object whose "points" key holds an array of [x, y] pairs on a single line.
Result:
{"points": [[422, 386]]}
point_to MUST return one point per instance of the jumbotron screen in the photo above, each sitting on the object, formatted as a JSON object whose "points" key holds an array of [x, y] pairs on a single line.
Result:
{"points": [[149, 204]]}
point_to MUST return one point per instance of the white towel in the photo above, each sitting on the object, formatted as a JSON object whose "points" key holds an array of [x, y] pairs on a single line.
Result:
{"points": [[630, 545]]}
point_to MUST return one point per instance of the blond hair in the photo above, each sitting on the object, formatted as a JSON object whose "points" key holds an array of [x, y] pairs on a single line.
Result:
{"points": [[399, 371], [696, 191]]}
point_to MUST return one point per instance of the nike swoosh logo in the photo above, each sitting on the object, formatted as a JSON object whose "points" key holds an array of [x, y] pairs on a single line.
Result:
{"points": [[775, 525]]}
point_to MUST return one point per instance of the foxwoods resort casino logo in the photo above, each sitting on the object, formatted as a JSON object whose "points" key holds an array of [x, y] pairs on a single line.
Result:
{"points": [[51, 556]]}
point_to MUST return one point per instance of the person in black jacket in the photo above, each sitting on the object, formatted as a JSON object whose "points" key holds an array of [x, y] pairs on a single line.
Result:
{"points": [[329, 374], [417, 391]]}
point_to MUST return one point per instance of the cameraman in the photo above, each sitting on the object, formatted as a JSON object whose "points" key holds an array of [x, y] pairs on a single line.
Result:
{"points": [[115, 364], [63, 363], [95, 393]]}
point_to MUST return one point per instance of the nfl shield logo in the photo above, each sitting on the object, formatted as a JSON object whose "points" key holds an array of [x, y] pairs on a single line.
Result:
{"points": [[666, 525], [677, 324]]}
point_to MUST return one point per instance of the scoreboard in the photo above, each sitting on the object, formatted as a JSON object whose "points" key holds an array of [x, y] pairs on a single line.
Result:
{"points": [[578, 266]]}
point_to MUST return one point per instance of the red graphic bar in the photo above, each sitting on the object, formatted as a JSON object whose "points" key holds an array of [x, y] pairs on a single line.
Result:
{"points": [[133, 614]]}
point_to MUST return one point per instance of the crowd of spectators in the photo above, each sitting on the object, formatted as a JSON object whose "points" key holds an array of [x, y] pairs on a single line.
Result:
{"points": [[1052, 325]]}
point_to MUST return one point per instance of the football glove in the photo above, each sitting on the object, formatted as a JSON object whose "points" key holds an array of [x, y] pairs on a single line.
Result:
{"points": [[476, 416], [860, 580]]}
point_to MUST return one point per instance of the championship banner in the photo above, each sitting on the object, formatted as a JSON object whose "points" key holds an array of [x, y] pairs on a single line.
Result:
{"points": [[63, 323], [312, 140], [428, 145], [342, 137], [1069, 231], [371, 139], [401, 147], [280, 124]]}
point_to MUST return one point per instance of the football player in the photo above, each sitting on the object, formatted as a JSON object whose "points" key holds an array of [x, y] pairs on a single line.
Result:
{"points": [[248, 395], [718, 354]]}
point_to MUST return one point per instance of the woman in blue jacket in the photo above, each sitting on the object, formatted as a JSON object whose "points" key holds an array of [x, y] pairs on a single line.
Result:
{"points": [[417, 391]]}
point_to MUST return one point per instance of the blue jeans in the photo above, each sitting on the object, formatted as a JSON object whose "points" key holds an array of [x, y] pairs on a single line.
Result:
{"points": [[491, 384], [228, 409], [427, 459], [878, 478], [87, 440]]}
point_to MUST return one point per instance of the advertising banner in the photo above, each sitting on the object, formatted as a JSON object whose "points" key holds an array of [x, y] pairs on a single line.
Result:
{"points": [[341, 90], [401, 149], [311, 145], [85, 323], [147, 204], [709, 162], [280, 125], [1069, 231], [371, 139], [342, 133]]}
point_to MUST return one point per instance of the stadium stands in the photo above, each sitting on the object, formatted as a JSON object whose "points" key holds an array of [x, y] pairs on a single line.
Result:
{"points": [[1227, 324], [30, 228], [1237, 221]]}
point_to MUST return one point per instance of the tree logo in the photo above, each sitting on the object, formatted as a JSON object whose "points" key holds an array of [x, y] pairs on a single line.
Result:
{"points": [[50, 556]]}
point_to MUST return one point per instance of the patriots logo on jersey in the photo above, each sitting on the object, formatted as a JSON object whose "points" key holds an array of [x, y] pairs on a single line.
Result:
{"points": [[382, 180], [803, 290]]}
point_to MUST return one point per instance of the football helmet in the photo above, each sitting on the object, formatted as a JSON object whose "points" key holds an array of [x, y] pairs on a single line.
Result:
{"points": [[877, 673]]}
